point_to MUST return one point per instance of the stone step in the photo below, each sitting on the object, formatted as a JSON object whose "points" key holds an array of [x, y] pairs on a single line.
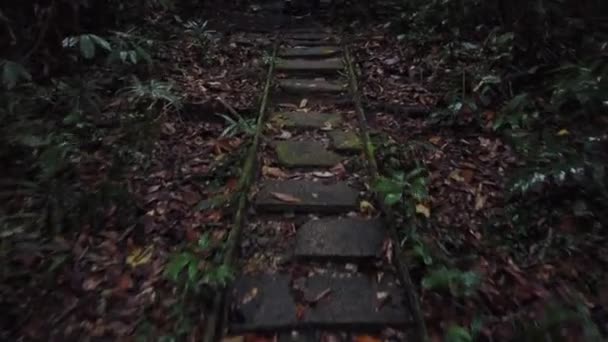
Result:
{"points": [[340, 238], [345, 141], [309, 52], [306, 120], [305, 154], [274, 303], [306, 196], [309, 43], [307, 36], [324, 66], [308, 86]]}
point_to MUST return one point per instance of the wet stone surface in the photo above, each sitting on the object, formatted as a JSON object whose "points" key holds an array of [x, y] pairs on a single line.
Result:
{"points": [[306, 196], [304, 120], [330, 65], [309, 52], [306, 86], [346, 238], [267, 302], [305, 154], [311, 43], [345, 141]]}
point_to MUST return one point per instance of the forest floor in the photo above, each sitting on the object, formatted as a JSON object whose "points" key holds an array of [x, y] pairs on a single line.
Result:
{"points": [[110, 281]]}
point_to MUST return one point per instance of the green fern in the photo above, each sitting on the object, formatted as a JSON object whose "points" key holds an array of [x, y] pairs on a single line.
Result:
{"points": [[152, 93]]}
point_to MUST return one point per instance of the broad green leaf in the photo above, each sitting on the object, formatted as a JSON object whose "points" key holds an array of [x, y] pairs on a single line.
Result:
{"points": [[87, 46], [457, 333], [204, 241], [393, 198], [386, 186], [34, 141], [418, 189], [13, 73], [104, 44], [193, 272], [177, 263]]}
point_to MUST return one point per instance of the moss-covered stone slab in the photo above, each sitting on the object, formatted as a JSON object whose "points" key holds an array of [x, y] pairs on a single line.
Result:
{"points": [[345, 141], [323, 66], [305, 196], [343, 238], [307, 86], [305, 154], [306, 120], [309, 52]]}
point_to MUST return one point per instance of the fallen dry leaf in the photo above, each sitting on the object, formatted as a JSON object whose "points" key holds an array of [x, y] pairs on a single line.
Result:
{"points": [[286, 197], [274, 172], [125, 282], [249, 296], [435, 140], [284, 135], [300, 311], [323, 174], [455, 175], [303, 103], [320, 296], [423, 209], [139, 256], [91, 284], [387, 250], [366, 208], [367, 338]]}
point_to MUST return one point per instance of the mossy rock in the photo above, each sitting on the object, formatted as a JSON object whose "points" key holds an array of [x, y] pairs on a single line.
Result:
{"points": [[347, 141], [305, 154], [303, 120]]}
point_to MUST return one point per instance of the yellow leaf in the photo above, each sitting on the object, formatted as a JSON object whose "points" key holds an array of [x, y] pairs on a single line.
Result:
{"points": [[423, 209], [139, 256], [455, 175], [366, 207], [563, 132]]}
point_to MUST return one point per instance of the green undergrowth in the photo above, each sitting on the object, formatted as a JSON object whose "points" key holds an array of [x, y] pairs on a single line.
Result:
{"points": [[537, 78]]}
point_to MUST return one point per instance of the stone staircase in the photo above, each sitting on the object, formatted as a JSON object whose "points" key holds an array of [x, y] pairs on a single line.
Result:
{"points": [[329, 271]]}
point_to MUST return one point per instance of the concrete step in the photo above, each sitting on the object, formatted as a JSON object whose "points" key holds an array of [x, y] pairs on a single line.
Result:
{"points": [[272, 302], [306, 196], [305, 154], [310, 52], [310, 86], [305, 120], [307, 66], [340, 238]]}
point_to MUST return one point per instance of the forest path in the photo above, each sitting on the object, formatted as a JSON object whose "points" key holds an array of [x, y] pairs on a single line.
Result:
{"points": [[315, 257]]}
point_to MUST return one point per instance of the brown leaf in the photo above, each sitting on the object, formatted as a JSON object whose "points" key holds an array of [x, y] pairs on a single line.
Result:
{"points": [[91, 284], [423, 210], [387, 250], [467, 175], [274, 172], [234, 339], [367, 338], [339, 170], [435, 140], [300, 311], [286, 197], [249, 296], [124, 282]]}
